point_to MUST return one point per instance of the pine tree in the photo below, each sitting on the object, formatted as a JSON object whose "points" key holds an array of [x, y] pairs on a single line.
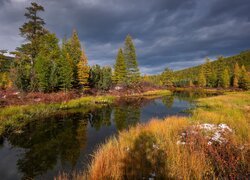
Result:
{"points": [[220, 69], [95, 74], [75, 53], [236, 75], [133, 72], [213, 79], [32, 31], [83, 71], [20, 72], [105, 81], [208, 73], [167, 77], [65, 73], [46, 63], [101, 78], [225, 79], [201, 78], [244, 81], [120, 70]]}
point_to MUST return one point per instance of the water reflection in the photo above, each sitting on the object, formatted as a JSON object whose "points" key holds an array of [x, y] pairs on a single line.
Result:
{"points": [[64, 141], [168, 101], [48, 141], [100, 117], [126, 116]]}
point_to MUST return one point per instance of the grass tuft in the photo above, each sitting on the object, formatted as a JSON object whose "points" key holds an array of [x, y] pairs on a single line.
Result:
{"points": [[152, 151]]}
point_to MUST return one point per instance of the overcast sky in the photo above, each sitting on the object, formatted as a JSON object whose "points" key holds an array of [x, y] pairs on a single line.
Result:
{"points": [[167, 33]]}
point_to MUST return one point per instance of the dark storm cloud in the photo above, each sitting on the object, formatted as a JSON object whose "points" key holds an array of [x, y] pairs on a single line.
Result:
{"points": [[173, 33]]}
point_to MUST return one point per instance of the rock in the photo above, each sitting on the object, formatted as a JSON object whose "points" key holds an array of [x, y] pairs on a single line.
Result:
{"points": [[118, 87]]}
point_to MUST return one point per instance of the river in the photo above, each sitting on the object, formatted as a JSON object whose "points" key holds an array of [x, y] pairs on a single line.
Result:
{"points": [[65, 141]]}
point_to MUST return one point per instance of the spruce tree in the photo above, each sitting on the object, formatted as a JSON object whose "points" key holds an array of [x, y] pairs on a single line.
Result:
{"points": [[225, 79], [83, 71], [65, 73], [213, 79], [32, 31], [201, 79], [236, 75], [244, 81], [20, 72], [95, 74], [46, 63], [220, 69], [105, 81], [167, 77], [75, 53], [120, 70], [208, 73], [133, 72]]}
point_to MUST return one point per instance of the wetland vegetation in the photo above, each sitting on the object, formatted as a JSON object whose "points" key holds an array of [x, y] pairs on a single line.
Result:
{"points": [[62, 118]]}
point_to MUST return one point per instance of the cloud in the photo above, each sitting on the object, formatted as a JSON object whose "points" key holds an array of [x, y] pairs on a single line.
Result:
{"points": [[173, 33]]}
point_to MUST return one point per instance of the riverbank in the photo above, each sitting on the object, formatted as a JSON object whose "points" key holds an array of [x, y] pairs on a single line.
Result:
{"points": [[12, 118], [213, 142]]}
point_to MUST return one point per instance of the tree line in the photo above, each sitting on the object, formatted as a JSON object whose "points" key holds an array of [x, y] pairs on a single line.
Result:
{"points": [[228, 72], [43, 64]]}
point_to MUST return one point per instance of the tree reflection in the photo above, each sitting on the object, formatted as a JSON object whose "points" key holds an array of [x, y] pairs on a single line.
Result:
{"points": [[168, 101], [125, 116], [46, 141], [100, 117]]}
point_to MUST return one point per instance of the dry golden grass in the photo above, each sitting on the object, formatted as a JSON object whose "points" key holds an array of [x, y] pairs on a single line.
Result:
{"points": [[151, 150]]}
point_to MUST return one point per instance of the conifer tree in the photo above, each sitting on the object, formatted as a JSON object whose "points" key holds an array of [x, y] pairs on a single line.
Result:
{"points": [[220, 69], [236, 75], [213, 79], [20, 72], [208, 73], [133, 72], [105, 81], [75, 53], [32, 31], [65, 73], [167, 77], [95, 74], [225, 79], [83, 71], [46, 63], [202, 78], [244, 81], [120, 70]]}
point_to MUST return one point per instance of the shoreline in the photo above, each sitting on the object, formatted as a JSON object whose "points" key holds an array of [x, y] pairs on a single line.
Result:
{"points": [[221, 127], [15, 116]]}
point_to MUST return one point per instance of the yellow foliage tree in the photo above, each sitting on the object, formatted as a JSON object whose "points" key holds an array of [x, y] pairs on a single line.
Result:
{"points": [[83, 71]]}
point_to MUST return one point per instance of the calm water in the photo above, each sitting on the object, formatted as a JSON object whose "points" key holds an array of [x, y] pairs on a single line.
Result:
{"points": [[65, 141]]}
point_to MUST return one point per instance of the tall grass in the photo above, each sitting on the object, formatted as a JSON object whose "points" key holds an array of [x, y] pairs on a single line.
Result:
{"points": [[152, 151], [15, 117]]}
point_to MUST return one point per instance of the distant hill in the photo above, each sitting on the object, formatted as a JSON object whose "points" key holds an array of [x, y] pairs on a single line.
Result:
{"points": [[191, 73]]}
